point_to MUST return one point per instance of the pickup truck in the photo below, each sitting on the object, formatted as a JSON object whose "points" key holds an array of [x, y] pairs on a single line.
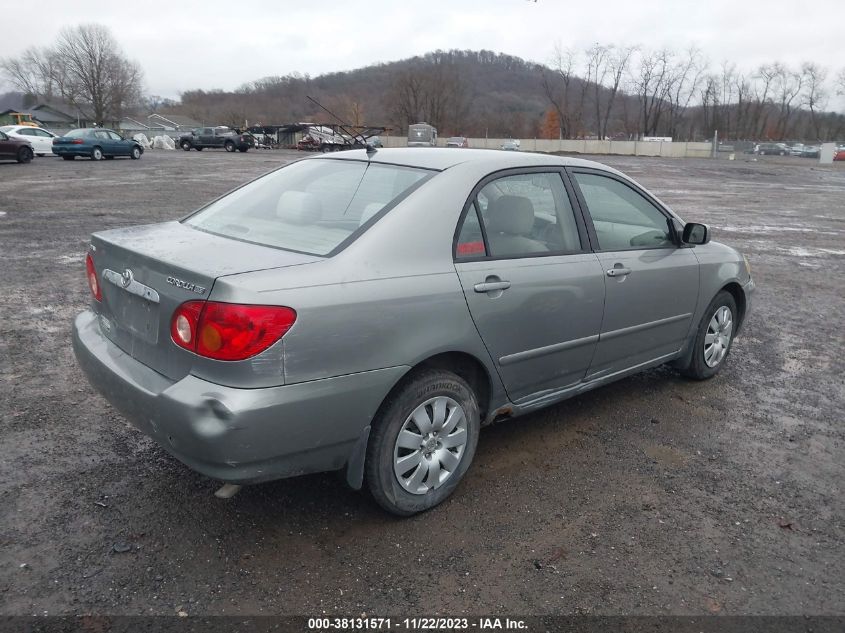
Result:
{"points": [[224, 137]]}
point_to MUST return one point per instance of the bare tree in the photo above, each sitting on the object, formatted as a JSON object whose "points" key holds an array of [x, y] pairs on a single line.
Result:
{"points": [[86, 68], [816, 94], [566, 92], [653, 82]]}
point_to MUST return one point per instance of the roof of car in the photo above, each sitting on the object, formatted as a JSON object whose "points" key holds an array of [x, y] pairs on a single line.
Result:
{"points": [[442, 158]]}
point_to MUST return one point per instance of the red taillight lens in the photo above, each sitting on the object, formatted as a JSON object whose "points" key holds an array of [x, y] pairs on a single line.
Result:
{"points": [[229, 331], [77, 141], [91, 274]]}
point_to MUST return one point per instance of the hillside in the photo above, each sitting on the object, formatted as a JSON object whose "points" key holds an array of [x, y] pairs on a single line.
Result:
{"points": [[462, 92]]}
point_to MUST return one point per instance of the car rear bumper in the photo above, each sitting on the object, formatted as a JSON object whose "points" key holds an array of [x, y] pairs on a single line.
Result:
{"points": [[236, 435]]}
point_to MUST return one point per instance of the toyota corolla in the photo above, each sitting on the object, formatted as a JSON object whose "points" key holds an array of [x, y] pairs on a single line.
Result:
{"points": [[369, 312]]}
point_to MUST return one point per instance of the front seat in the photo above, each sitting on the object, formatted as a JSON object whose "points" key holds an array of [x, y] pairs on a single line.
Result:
{"points": [[510, 220]]}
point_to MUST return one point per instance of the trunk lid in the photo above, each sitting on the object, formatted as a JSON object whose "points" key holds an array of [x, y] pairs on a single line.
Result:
{"points": [[146, 272]]}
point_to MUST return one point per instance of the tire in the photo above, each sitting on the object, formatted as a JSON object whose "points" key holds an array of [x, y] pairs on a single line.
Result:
{"points": [[229, 147], [135, 154], [425, 396], [24, 155], [186, 145], [708, 356], [97, 153], [243, 150], [199, 149], [71, 157]]}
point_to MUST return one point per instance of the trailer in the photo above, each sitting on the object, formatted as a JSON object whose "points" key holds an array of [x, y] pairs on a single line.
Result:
{"points": [[422, 135]]}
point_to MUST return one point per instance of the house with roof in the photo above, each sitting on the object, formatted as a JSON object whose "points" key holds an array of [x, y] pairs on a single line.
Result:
{"points": [[173, 122]]}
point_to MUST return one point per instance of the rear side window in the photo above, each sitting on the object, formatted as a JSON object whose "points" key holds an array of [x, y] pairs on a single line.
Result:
{"points": [[524, 215], [311, 206], [470, 239]]}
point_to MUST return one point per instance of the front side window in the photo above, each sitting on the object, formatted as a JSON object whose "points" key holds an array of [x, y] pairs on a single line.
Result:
{"points": [[527, 214], [311, 206], [622, 217]]}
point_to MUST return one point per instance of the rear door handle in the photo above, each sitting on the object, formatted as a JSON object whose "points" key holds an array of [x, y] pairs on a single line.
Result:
{"points": [[491, 286], [618, 272]]}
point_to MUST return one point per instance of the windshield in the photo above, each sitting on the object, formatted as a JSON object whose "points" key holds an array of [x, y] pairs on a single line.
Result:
{"points": [[311, 206]]}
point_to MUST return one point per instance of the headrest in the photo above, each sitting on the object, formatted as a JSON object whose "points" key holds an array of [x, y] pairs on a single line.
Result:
{"points": [[299, 207], [511, 214]]}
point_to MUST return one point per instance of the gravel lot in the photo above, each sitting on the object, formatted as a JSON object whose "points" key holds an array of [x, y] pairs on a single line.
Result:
{"points": [[654, 495]]}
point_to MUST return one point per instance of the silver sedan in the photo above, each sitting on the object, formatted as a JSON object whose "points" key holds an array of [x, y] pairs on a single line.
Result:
{"points": [[369, 312]]}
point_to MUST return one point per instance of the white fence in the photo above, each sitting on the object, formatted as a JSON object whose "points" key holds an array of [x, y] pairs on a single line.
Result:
{"points": [[672, 149]]}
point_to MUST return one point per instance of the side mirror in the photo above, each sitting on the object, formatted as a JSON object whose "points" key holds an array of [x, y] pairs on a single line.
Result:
{"points": [[695, 233]]}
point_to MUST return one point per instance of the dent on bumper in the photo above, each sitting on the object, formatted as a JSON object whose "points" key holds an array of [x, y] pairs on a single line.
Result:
{"points": [[237, 435]]}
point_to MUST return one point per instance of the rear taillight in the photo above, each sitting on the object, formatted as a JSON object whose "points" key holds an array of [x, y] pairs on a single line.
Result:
{"points": [[229, 331], [91, 274], [77, 141]]}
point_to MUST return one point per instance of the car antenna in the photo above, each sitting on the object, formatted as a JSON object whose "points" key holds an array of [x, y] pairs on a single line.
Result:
{"points": [[370, 149]]}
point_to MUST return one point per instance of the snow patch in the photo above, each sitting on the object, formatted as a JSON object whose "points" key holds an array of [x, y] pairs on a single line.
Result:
{"points": [[163, 142]]}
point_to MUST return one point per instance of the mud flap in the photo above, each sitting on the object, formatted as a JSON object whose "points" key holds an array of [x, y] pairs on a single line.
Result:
{"points": [[355, 465]]}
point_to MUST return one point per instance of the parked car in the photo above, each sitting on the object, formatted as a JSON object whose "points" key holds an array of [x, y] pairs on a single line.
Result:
{"points": [[457, 141], [96, 144], [511, 145], [14, 149], [216, 137], [811, 151], [370, 312], [839, 154], [775, 149], [39, 139], [796, 150]]}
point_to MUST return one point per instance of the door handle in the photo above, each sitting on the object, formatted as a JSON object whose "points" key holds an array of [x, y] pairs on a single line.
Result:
{"points": [[492, 286], [618, 272]]}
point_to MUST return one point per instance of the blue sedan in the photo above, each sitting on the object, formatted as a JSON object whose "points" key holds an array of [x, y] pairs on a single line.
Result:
{"points": [[96, 144]]}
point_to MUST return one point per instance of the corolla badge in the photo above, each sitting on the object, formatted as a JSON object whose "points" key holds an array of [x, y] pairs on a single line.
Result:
{"points": [[126, 278], [187, 285]]}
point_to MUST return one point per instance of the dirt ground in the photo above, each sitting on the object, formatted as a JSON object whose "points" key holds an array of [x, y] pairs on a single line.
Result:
{"points": [[654, 495]]}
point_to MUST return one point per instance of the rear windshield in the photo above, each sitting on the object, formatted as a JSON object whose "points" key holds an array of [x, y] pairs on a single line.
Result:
{"points": [[311, 206], [75, 133]]}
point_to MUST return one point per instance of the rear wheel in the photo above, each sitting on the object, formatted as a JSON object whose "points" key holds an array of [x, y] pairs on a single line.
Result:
{"points": [[230, 147], [136, 153], [714, 338], [422, 442], [97, 154], [24, 155]]}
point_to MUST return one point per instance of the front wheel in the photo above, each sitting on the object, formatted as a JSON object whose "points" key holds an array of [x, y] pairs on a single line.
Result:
{"points": [[136, 153], [186, 146], [714, 338], [422, 442], [24, 155]]}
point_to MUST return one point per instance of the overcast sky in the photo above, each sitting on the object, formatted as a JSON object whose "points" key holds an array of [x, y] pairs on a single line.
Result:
{"points": [[222, 44]]}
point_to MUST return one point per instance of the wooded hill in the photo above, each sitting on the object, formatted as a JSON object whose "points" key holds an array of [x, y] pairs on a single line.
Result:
{"points": [[604, 91]]}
